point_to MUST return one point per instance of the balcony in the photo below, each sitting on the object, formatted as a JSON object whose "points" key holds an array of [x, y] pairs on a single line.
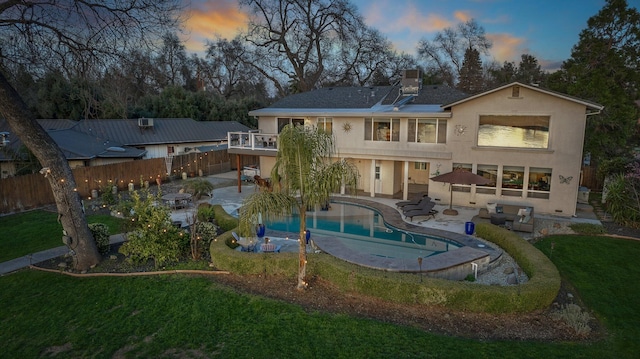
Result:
{"points": [[248, 142]]}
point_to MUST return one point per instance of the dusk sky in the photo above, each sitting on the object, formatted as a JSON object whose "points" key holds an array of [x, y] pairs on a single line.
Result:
{"points": [[545, 29]]}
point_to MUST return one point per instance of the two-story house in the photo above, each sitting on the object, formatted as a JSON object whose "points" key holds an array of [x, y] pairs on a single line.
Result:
{"points": [[527, 140]]}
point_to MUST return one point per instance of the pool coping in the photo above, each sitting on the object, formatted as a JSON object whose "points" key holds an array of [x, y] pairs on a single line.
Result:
{"points": [[472, 249]]}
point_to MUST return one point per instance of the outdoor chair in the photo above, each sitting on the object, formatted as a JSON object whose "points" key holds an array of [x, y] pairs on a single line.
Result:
{"points": [[429, 213], [270, 247], [426, 203], [413, 201]]}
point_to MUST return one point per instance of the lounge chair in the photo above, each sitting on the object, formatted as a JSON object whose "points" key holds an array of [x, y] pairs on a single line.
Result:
{"points": [[431, 213], [424, 204], [413, 201]]}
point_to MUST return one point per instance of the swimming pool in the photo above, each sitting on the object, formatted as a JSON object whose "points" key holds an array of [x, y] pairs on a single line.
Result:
{"points": [[363, 230]]}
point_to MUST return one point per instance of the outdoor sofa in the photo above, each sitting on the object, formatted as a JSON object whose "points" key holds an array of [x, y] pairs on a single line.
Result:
{"points": [[521, 215]]}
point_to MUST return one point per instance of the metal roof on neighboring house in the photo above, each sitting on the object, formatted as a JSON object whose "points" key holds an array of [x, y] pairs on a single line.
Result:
{"points": [[163, 131], [79, 146], [74, 145]]}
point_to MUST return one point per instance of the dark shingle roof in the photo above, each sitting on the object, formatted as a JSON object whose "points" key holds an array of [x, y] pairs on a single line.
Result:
{"points": [[428, 95], [366, 97], [335, 97]]}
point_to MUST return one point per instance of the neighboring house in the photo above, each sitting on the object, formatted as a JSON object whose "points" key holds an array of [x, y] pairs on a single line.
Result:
{"points": [[80, 149], [99, 142], [162, 137], [527, 140]]}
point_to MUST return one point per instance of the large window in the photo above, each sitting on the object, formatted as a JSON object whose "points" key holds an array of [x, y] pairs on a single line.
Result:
{"points": [[382, 129], [514, 131], [427, 130], [512, 181], [490, 172], [539, 182], [325, 123]]}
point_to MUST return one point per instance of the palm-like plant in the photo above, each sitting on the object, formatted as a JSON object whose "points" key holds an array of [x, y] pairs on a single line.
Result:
{"points": [[304, 176]]}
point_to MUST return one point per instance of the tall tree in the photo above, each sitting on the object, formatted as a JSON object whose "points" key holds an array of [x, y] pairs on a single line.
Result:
{"points": [[605, 68], [224, 70], [471, 79], [447, 49], [172, 61], [529, 71], [299, 44], [305, 175], [64, 33]]}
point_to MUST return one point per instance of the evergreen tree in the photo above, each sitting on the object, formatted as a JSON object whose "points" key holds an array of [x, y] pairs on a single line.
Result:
{"points": [[604, 68], [471, 79]]}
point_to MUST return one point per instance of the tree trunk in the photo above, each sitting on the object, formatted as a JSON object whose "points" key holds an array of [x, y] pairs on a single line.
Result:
{"points": [[302, 258], [57, 170]]}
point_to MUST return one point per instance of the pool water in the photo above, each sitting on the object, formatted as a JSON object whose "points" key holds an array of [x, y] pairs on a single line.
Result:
{"points": [[363, 229]]}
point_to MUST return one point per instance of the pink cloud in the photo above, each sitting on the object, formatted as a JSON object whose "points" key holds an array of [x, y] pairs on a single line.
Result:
{"points": [[462, 16], [506, 47], [213, 19]]}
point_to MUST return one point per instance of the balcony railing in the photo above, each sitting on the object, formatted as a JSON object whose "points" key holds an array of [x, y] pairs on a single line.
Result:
{"points": [[253, 140]]}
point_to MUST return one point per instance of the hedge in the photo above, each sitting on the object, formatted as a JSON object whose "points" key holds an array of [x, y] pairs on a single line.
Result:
{"points": [[537, 293], [224, 220]]}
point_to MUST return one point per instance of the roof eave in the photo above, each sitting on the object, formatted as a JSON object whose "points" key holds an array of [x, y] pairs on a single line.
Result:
{"points": [[588, 104]]}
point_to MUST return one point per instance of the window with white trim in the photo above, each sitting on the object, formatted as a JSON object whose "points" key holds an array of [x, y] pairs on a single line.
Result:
{"points": [[325, 123], [382, 129], [286, 121], [427, 130]]}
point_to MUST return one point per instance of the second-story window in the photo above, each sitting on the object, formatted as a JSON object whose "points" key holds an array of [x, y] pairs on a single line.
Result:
{"points": [[171, 151], [325, 123], [285, 121], [382, 129], [426, 130]]}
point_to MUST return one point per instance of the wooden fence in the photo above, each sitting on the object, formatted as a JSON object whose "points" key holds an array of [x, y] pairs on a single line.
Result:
{"points": [[590, 178], [32, 191]]}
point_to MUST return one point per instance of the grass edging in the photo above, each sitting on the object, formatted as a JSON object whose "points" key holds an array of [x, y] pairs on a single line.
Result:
{"points": [[537, 293]]}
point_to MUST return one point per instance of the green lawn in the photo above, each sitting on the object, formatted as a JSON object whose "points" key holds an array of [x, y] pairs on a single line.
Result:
{"points": [[188, 316], [34, 231], [605, 273]]}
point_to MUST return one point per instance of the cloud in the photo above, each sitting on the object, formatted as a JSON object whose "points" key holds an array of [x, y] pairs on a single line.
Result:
{"points": [[392, 19], [462, 16], [208, 20], [507, 47]]}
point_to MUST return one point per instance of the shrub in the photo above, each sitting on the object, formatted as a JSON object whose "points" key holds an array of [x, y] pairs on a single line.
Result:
{"points": [[202, 233], [100, 233], [573, 315], [106, 195], [623, 199], [153, 237], [198, 187], [205, 212]]}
